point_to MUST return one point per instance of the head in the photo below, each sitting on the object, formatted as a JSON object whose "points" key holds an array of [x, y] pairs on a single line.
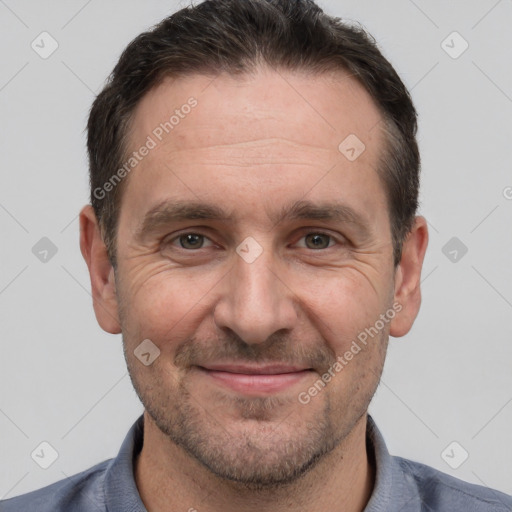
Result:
{"points": [[254, 187]]}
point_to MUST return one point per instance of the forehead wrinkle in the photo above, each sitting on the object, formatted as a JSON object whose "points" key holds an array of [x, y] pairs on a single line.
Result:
{"points": [[188, 142]]}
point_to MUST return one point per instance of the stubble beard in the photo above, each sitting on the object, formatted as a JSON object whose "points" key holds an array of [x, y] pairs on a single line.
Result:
{"points": [[256, 447]]}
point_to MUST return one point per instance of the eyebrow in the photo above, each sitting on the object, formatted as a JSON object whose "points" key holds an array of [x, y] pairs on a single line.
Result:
{"points": [[172, 211]]}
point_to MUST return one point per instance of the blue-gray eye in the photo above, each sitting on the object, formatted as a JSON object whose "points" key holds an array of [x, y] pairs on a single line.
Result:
{"points": [[191, 241], [316, 240]]}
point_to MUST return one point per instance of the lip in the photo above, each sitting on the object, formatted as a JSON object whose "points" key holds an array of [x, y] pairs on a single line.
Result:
{"points": [[255, 379]]}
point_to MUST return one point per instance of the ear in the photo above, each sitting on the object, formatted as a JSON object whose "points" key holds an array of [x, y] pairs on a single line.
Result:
{"points": [[408, 277], [101, 272]]}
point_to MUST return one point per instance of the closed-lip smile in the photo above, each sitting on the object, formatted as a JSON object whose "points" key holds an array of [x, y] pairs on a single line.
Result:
{"points": [[255, 379]]}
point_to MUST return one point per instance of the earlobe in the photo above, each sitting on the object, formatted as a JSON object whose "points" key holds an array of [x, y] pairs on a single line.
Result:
{"points": [[408, 278], [101, 272]]}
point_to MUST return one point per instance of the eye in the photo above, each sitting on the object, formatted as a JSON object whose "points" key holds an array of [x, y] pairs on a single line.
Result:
{"points": [[190, 241], [318, 240]]}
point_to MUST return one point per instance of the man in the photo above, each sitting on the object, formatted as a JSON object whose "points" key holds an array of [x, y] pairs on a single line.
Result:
{"points": [[253, 236]]}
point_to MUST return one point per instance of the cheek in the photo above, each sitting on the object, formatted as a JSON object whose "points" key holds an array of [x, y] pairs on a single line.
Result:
{"points": [[163, 305], [343, 305], [344, 310], [167, 305]]}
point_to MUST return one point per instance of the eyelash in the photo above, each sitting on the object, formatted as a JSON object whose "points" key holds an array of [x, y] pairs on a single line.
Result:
{"points": [[322, 233]]}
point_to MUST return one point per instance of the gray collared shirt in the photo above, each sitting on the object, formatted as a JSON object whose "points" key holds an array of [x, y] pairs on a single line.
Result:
{"points": [[401, 485]]}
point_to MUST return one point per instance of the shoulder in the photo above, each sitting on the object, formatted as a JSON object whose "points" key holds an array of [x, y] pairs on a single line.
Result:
{"points": [[80, 492], [440, 491]]}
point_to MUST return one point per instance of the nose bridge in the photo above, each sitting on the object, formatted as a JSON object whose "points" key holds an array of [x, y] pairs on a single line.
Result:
{"points": [[255, 302], [256, 282]]}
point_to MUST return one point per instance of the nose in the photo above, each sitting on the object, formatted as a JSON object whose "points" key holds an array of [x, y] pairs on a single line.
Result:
{"points": [[256, 300]]}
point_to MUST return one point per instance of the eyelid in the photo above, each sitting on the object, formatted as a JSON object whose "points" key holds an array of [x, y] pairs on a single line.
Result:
{"points": [[177, 236], [339, 240]]}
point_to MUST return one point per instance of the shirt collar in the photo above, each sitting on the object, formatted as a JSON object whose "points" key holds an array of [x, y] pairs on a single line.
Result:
{"points": [[121, 493], [383, 461]]}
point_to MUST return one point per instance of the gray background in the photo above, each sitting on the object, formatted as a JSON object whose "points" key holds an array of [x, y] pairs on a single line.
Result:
{"points": [[63, 380]]}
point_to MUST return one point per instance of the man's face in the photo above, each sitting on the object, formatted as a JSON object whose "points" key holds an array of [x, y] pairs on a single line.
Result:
{"points": [[221, 297]]}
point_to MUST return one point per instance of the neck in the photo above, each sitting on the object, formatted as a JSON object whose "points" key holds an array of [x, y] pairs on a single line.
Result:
{"points": [[169, 479]]}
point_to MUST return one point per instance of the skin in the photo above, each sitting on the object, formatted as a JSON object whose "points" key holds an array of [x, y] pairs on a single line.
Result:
{"points": [[253, 145]]}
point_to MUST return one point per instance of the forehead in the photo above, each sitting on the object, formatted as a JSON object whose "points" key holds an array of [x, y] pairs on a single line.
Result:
{"points": [[331, 104], [268, 130]]}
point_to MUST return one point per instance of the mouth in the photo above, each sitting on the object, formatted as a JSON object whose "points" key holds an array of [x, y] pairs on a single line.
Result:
{"points": [[255, 380]]}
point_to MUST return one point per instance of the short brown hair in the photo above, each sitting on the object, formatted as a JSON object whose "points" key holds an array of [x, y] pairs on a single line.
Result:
{"points": [[234, 36]]}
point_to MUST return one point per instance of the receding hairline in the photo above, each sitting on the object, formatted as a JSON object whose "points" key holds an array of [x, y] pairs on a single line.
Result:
{"points": [[334, 73], [334, 76]]}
